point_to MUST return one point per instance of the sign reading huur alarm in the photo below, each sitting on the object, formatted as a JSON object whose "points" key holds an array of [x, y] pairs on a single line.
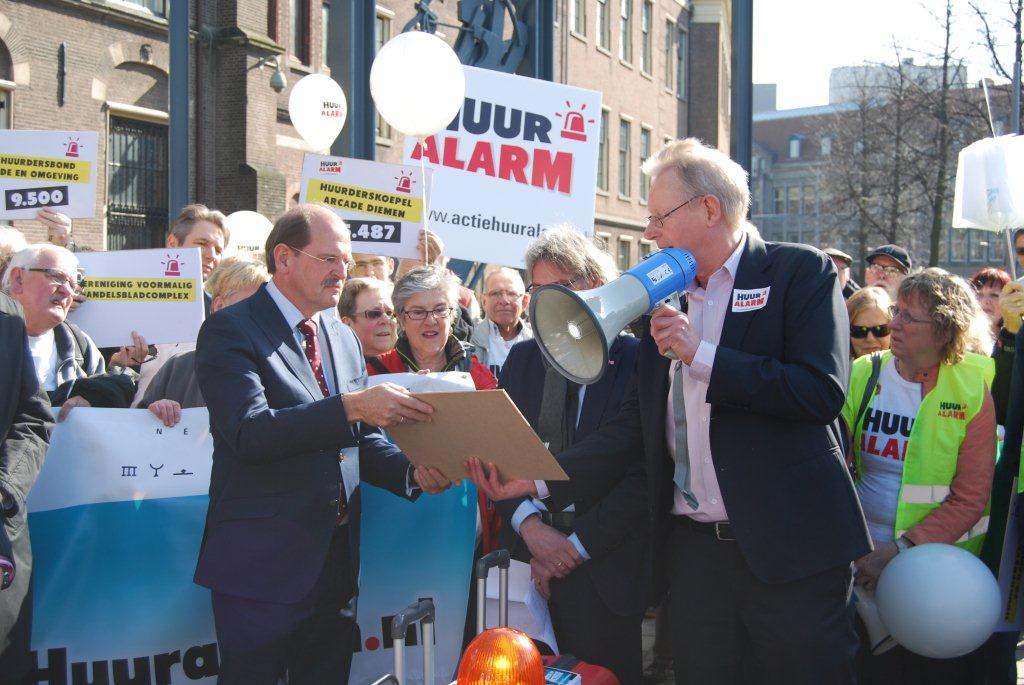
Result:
{"points": [[381, 203], [47, 169]]}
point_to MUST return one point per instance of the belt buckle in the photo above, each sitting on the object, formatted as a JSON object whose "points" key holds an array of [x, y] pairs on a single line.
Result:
{"points": [[719, 526]]}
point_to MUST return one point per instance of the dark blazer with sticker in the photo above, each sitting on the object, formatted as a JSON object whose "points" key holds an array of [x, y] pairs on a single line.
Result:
{"points": [[777, 386], [276, 444]]}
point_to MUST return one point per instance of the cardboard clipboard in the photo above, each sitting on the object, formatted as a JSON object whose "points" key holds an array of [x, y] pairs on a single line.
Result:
{"points": [[484, 424]]}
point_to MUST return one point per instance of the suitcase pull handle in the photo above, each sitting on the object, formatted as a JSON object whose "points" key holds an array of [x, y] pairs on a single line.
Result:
{"points": [[502, 559], [420, 612]]}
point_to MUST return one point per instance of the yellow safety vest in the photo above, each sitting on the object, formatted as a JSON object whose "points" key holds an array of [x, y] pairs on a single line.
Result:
{"points": [[935, 439]]}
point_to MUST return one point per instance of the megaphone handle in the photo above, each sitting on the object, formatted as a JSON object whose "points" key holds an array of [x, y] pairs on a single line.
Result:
{"points": [[672, 301]]}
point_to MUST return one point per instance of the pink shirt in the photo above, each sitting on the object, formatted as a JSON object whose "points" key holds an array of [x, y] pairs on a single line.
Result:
{"points": [[707, 308]]}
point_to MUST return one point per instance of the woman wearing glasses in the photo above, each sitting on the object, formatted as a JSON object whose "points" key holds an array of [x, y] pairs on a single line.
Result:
{"points": [[869, 321], [924, 442], [365, 307]]}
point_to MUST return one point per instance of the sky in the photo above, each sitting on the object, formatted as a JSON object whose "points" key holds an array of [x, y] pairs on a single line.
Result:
{"points": [[798, 42]]}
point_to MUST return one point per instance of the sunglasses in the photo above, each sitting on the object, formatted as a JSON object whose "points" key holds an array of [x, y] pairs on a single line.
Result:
{"points": [[862, 331], [1020, 251], [374, 314]]}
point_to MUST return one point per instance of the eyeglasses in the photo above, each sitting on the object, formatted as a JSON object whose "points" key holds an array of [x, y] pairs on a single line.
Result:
{"points": [[58, 277], [859, 332], [659, 221], [1019, 251], [374, 314], [421, 314], [878, 269], [506, 294], [904, 317], [570, 284], [332, 261]]}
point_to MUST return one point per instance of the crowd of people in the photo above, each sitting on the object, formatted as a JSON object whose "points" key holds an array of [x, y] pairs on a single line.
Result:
{"points": [[743, 468]]}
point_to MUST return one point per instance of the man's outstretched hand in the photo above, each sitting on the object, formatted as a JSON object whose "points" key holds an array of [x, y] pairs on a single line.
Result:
{"points": [[488, 480]]}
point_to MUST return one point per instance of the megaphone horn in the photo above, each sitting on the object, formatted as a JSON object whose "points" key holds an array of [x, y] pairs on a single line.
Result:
{"points": [[879, 638], [574, 329]]}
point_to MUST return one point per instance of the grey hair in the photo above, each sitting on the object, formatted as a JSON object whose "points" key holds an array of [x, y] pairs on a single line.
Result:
{"points": [[569, 250], [424, 278], [11, 240], [511, 273], [707, 171], [354, 287], [28, 257]]}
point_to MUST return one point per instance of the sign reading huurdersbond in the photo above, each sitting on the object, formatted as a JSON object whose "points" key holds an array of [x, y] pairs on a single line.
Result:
{"points": [[381, 203], [520, 156], [47, 169], [158, 293]]}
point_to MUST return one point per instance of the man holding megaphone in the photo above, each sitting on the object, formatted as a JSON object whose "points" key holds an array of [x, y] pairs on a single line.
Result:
{"points": [[736, 445]]}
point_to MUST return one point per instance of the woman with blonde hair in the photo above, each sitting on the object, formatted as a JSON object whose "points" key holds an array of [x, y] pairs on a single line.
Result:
{"points": [[869, 320]]}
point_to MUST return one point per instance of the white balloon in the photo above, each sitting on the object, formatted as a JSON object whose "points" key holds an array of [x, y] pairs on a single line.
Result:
{"points": [[417, 83], [939, 601], [249, 232], [318, 109]]}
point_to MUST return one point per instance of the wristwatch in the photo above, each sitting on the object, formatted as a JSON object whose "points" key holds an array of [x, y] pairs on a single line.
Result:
{"points": [[903, 544]]}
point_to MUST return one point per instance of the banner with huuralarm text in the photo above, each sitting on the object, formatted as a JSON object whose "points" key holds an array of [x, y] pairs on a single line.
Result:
{"points": [[381, 203], [116, 520], [521, 156], [47, 170]]}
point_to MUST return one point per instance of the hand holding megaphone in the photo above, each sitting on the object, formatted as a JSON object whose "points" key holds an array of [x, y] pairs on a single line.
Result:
{"points": [[673, 333]]}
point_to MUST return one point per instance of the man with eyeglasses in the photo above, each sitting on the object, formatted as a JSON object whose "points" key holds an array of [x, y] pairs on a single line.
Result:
{"points": [[887, 266], [294, 431], [43, 279], [503, 325], [730, 428]]}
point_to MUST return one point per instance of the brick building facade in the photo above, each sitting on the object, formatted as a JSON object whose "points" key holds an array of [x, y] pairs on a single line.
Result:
{"points": [[650, 58]]}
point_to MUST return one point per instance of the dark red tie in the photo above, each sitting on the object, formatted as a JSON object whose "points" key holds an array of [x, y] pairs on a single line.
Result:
{"points": [[312, 349], [308, 330]]}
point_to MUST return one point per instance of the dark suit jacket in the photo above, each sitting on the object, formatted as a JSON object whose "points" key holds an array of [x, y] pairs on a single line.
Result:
{"points": [[613, 530], [275, 480], [25, 423], [777, 386]]}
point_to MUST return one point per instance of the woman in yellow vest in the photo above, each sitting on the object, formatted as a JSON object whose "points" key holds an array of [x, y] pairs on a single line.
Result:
{"points": [[924, 444]]}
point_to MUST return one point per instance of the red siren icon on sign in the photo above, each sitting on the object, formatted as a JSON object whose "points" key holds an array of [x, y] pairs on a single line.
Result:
{"points": [[71, 149], [574, 126], [172, 267], [404, 183]]}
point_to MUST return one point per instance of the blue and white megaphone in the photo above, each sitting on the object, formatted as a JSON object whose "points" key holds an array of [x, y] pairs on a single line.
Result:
{"points": [[575, 329]]}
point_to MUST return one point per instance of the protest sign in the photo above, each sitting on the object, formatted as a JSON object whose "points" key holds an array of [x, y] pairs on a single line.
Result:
{"points": [[47, 169], [520, 156], [381, 203], [116, 519], [158, 293]]}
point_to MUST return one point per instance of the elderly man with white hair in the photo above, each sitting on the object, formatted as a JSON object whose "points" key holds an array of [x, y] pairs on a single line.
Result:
{"points": [[503, 326], [43, 278]]}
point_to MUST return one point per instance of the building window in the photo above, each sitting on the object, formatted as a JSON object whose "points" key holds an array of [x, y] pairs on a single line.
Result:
{"points": [[136, 184], [780, 201], [602, 153], [646, 47], [645, 152], [626, 30], [325, 20], [625, 253], [808, 206], [5, 109], [300, 30], [578, 16], [794, 147], [154, 7], [383, 35], [604, 28], [645, 249], [670, 59], [979, 245], [826, 146], [625, 133], [681, 63], [272, 20], [793, 200]]}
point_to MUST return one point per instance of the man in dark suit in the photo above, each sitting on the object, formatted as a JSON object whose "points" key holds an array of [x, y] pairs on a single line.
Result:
{"points": [[755, 521], [294, 430], [590, 568], [25, 423]]}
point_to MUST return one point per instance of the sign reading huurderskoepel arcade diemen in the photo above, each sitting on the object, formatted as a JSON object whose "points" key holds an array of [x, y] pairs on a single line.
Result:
{"points": [[381, 203], [520, 157], [47, 170], [158, 293]]}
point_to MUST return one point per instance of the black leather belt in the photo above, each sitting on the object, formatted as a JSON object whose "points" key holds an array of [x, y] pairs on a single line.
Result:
{"points": [[721, 530], [559, 520]]}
